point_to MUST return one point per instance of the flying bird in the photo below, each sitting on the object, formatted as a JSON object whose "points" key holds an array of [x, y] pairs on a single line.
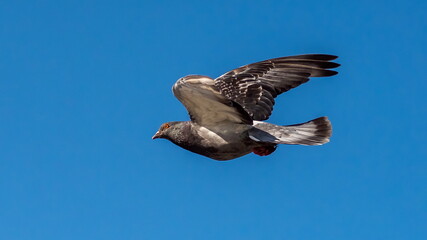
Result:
{"points": [[227, 113]]}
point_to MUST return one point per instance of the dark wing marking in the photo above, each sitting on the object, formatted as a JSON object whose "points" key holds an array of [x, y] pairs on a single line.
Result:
{"points": [[255, 86]]}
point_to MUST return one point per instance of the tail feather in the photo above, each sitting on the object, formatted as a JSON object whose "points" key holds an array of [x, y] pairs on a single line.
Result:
{"points": [[314, 132]]}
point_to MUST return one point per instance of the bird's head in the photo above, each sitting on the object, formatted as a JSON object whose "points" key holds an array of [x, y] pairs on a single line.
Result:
{"points": [[167, 130]]}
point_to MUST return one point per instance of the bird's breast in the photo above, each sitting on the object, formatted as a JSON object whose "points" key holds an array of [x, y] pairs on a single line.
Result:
{"points": [[222, 142]]}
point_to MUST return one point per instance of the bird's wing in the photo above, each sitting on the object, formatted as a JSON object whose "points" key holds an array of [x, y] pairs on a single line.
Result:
{"points": [[205, 104], [255, 86]]}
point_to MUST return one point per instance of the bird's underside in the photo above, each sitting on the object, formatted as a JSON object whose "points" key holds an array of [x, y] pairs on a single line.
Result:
{"points": [[227, 113]]}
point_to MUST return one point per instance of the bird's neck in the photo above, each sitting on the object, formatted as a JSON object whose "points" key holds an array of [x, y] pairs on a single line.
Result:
{"points": [[182, 133]]}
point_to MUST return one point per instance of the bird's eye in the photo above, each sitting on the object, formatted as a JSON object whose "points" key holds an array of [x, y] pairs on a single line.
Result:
{"points": [[165, 126]]}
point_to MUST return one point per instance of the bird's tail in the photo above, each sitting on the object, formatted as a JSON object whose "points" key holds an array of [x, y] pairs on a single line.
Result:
{"points": [[314, 132]]}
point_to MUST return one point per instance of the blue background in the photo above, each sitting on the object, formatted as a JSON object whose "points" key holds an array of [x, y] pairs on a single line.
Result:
{"points": [[85, 84]]}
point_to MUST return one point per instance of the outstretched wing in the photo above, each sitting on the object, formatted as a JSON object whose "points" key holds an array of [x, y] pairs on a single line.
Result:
{"points": [[255, 86], [205, 104]]}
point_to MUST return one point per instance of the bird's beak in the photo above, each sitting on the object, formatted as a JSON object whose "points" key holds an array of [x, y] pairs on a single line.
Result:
{"points": [[157, 135]]}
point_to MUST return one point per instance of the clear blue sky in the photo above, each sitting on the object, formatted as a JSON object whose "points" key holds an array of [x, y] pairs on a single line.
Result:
{"points": [[85, 84]]}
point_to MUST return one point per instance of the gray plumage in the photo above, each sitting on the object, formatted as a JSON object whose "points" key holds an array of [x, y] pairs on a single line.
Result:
{"points": [[227, 112], [314, 132]]}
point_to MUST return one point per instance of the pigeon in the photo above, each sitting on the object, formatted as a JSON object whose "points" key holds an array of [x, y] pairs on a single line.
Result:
{"points": [[227, 114]]}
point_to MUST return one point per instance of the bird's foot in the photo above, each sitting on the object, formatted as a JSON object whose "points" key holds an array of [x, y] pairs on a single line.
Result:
{"points": [[264, 151]]}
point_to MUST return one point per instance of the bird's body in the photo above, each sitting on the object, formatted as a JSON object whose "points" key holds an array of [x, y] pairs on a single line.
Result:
{"points": [[227, 113], [222, 142]]}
